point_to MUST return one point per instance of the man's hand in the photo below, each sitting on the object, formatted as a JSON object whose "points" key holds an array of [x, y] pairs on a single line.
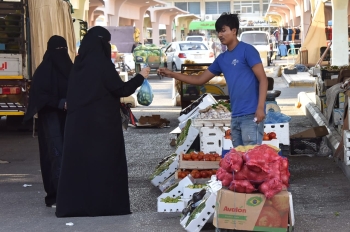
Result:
{"points": [[260, 115], [164, 72], [145, 72]]}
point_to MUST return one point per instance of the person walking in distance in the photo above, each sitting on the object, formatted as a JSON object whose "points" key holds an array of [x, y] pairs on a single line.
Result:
{"points": [[47, 98]]}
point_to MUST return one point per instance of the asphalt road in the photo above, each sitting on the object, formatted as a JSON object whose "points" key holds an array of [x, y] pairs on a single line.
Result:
{"points": [[320, 190]]}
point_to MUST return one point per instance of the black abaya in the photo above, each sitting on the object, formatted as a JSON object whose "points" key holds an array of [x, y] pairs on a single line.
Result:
{"points": [[94, 175], [47, 97]]}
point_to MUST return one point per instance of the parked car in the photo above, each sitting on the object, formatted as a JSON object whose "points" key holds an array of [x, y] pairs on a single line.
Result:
{"points": [[178, 52], [261, 41]]}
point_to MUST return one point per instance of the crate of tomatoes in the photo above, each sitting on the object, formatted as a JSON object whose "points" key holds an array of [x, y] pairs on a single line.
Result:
{"points": [[270, 139], [197, 174], [199, 160]]}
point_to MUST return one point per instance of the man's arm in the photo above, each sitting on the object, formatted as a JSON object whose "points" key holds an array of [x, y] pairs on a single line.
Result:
{"points": [[189, 79], [260, 74]]}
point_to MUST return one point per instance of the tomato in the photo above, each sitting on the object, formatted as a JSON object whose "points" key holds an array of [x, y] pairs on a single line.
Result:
{"points": [[194, 156], [272, 135], [266, 137], [200, 156], [186, 156]]}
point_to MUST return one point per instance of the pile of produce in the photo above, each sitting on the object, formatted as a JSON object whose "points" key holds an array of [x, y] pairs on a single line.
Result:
{"points": [[201, 156], [163, 165], [182, 137], [148, 53], [196, 186], [171, 199], [220, 110], [258, 169], [269, 136], [195, 173]]}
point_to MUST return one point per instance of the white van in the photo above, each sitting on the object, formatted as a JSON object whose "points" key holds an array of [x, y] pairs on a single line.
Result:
{"points": [[261, 41]]}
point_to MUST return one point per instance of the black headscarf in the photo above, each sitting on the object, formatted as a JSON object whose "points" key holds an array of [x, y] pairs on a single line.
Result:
{"points": [[50, 80], [86, 83]]}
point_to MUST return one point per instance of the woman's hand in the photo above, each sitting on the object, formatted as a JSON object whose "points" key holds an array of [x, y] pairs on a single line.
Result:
{"points": [[145, 72]]}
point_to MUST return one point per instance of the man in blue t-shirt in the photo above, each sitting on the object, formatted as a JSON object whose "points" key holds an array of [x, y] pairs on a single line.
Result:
{"points": [[246, 80]]}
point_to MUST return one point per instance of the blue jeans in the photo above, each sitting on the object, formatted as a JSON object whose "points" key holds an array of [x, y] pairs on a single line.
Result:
{"points": [[244, 131]]}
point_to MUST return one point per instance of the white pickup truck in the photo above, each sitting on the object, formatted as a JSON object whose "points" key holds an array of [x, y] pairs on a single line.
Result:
{"points": [[261, 41]]}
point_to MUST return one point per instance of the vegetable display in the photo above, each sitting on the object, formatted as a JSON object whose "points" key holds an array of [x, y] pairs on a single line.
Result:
{"points": [[201, 156], [257, 169], [195, 212], [182, 137], [168, 190], [221, 110], [170, 199], [196, 186], [195, 173], [164, 166]]}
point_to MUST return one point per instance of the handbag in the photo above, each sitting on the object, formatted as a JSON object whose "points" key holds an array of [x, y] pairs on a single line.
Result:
{"points": [[127, 116]]}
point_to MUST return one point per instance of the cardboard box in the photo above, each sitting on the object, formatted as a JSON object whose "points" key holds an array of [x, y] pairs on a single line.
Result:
{"points": [[338, 116], [252, 212], [272, 142], [308, 141]]}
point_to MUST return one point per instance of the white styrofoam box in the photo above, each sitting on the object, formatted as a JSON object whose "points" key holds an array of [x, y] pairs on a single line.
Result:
{"points": [[208, 100], [197, 224], [191, 136], [167, 183], [170, 207], [346, 156], [156, 181], [179, 190], [273, 142], [211, 122], [281, 130], [346, 139], [338, 116], [211, 139], [227, 144], [188, 192]]}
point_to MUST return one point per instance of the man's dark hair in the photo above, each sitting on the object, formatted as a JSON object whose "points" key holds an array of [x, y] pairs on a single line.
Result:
{"points": [[227, 19]]}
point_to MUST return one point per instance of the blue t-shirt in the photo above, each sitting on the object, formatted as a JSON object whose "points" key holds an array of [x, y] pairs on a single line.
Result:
{"points": [[243, 86]]}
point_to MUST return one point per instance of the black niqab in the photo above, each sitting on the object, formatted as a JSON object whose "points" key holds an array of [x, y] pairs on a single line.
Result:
{"points": [[50, 80]]}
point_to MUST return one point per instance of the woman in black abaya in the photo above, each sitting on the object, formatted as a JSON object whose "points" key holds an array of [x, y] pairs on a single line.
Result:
{"points": [[47, 97], [94, 175]]}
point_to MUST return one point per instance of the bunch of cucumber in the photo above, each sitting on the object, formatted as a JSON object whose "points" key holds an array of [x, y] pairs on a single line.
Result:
{"points": [[182, 137], [170, 199], [196, 186], [164, 166]]}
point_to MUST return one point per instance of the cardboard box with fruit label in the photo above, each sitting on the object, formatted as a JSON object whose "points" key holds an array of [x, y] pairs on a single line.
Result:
{"points": [[251, 212]]}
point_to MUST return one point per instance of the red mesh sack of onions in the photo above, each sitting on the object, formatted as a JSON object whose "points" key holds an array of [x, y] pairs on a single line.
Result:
{"points": [[271, 187], [225, 177], [232, 162], [251, 176], [258, 158], [241, 186]]}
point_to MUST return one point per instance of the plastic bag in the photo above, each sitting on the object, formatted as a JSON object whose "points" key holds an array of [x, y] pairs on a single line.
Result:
{"points": [[276, 117], [145, 94]]}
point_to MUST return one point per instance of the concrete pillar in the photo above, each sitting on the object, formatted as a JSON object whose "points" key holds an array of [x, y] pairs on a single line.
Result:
{"points": [[155, 33], [114, 19], [292, 14], [169, 33], [340, 45], [139, 24], [306, 24], [177, 33], [91, 15]]}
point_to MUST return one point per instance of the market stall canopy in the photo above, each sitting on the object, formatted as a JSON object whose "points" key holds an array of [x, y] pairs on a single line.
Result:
{"points": [[48, 18]]}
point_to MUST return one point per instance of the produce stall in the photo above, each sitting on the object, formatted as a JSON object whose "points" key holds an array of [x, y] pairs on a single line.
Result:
{"points": [[207, 181], [189, 93], [148, 55]]}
